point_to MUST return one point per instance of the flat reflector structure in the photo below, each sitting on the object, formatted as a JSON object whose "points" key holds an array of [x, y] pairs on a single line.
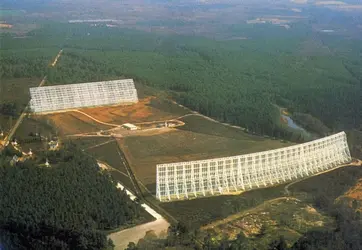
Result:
{"points": [[229, 175], [70, 96]]}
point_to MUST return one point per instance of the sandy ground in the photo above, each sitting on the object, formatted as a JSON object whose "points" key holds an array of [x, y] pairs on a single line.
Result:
{"points": [[134, 113], [102, 166], [134, 234]]}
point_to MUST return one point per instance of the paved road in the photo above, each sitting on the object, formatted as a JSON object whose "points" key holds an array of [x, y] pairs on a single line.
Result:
{"points": [[134, 234]]}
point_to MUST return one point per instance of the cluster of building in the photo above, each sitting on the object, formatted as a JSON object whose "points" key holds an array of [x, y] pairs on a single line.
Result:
{"points": [[52, 145]]}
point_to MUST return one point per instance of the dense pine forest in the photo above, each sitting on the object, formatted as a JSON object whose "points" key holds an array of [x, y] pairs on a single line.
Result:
{"points": [[240, 81], [66, 206]]}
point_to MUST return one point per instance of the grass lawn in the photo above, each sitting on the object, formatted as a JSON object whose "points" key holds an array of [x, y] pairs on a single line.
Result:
{"points": [[323, 190], [32, 126], [198, 139], [108, 153], [15, 91]]}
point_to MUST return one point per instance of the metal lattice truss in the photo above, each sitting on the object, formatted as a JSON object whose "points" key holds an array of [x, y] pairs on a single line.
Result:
{"points": [[60, 97], [228, 175]]}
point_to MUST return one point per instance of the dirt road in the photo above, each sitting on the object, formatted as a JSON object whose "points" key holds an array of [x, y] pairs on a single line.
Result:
{"points": [[22, 116], [20, 119], [96, 120], [56, 58]]}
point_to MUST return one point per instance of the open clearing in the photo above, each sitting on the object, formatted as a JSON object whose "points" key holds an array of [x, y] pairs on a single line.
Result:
{"points": [[198, 139], [73, 123], [147, 109], [15, 91]]}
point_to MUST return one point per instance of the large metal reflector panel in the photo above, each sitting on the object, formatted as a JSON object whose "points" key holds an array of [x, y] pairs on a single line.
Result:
{"points": [[60, 97], [229, 175]]}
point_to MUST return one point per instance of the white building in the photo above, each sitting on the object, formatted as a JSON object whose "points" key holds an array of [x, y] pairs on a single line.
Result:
{"points": [[70, 96], [129, 126], [227, 175]]}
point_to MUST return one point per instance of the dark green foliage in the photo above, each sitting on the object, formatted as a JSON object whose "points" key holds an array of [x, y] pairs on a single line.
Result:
{"points": [[65, 206], [347, 235], [11, 151], [233, 81], [311, 123], [9, 109], [279, 244]]}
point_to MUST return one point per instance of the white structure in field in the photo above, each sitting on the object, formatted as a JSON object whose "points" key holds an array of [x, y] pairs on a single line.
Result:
{"points": [[60, 97], [227, 175], [129, 126]]}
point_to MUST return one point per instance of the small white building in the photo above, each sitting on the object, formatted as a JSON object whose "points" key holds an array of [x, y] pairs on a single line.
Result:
{"points": [[129, 126]]}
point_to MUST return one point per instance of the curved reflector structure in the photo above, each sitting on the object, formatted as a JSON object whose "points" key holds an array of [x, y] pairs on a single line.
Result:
{"points": [[228, 175], [70, 96]]}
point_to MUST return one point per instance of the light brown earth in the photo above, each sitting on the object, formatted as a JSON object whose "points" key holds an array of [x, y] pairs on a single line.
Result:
{"points": [[135, 113], [134, 234], [74, 123], [5, 25], [354, 193]]}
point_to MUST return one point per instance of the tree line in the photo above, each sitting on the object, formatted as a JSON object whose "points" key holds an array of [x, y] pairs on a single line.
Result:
{"points": [[233, 81], [66, 206]]}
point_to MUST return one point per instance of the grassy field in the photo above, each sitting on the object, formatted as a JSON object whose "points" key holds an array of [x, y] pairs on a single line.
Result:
{"points": [[108, 153], [8, 12], [15, 91], [200, 212], [342, 184], [307, 209], [198, 139], [86, 143], [28, 128]]}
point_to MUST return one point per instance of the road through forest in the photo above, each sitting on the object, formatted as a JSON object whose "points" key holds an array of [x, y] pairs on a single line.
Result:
{"points": [[8, 138], [122, 238]]}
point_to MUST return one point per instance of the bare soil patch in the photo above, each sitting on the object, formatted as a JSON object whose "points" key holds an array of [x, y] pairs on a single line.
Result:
{"points": [[74, 123], [146, 110]]}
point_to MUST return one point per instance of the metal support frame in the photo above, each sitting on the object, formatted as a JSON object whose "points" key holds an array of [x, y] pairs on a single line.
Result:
{"points": [[71, 96], [232, 174]]}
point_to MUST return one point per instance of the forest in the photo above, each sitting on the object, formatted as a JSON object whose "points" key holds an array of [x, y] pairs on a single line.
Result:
{"points": [[242, 82], [69, 205]]}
